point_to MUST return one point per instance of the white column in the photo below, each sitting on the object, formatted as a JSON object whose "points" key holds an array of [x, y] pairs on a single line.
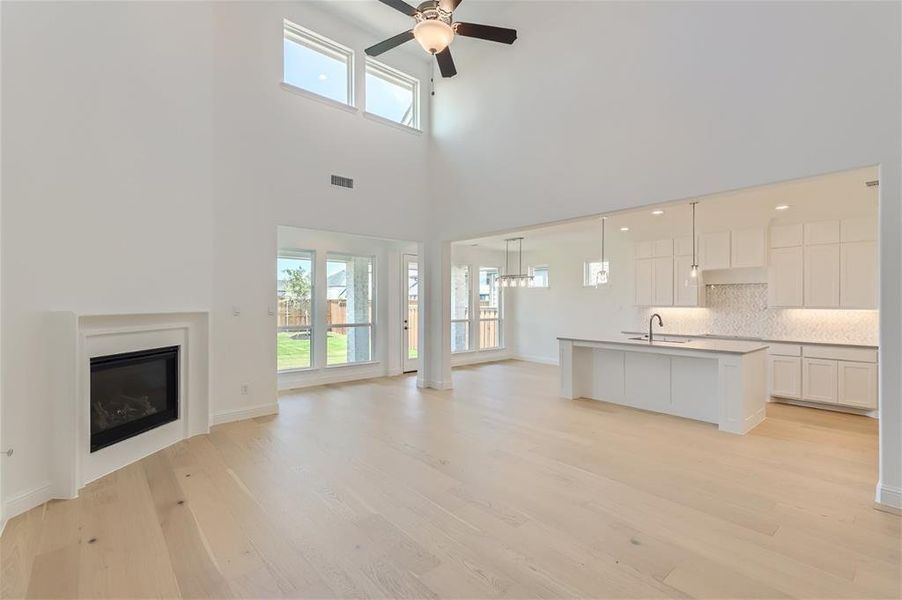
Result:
{"points": [[889, 486], [435, 315]]}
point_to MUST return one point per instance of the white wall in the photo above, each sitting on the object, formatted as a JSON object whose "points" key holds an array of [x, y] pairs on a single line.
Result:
{"points": [[387, 303], [274, 153], [107, 189], [567, 308], [149, 154], [634, 103]]}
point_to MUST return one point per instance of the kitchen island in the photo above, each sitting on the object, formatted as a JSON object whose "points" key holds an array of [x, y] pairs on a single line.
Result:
{"points": [[717, 381]]}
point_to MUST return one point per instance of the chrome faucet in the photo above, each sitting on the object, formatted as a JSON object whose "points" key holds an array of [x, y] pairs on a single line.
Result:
{"points": [[650, 322]]}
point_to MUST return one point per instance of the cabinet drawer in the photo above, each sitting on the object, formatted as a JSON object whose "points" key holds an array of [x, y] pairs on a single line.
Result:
{"points": [[867, 355], [777, 349]]}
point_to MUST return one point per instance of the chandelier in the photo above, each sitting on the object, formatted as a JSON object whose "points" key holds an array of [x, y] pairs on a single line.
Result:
{"points": [[520, 279]]}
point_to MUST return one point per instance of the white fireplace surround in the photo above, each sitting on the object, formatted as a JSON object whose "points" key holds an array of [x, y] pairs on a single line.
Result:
{"points": [[78, 338]]}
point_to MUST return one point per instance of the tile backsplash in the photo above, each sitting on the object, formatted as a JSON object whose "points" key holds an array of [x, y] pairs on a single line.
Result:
{"points": [[742, 310]]}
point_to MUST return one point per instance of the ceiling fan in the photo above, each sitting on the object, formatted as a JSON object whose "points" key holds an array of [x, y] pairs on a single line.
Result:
{"points": [[435, 28]]}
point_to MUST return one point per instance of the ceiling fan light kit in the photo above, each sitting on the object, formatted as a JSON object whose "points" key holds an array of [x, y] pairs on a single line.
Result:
{"points": [[435, 29]]}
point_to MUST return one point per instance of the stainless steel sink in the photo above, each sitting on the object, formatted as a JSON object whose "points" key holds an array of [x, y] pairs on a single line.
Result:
{"points": [[663, 339]]}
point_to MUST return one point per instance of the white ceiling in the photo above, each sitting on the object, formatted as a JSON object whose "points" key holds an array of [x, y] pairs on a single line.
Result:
{"points": [[834, 196]]}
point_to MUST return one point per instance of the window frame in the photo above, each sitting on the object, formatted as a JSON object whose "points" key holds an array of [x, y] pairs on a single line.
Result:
{"points": [[393, 75], [532, 273], [330, 255], [468, 320], [498, 319], [298, 254], [587, 269], [319, 43]]}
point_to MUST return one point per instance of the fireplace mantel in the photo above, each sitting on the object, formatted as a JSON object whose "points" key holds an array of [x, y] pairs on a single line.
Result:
{"points": [[74, 339]]}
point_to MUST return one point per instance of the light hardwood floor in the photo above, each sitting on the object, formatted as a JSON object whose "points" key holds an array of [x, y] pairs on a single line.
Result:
{"points": [[498, 489]]}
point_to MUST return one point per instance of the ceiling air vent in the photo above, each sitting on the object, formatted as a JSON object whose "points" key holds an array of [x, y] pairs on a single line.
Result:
{"points": [[873, 183], [345, 182]]}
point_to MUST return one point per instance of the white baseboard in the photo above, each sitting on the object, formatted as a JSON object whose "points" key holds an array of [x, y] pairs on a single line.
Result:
{"points": [[434, 384], [463, 359], [344, 374], [890, 497], [544, 360], [20, 503], [239, 414]]}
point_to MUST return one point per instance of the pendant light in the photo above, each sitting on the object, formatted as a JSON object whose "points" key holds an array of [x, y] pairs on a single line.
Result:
{"points": [[601, 277], [693, 269], [518, 279]]}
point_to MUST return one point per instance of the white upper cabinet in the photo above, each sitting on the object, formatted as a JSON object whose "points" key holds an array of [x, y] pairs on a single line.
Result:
{"points": [[663, 248], [822, 276], [714, 250], [822, 232], [858, 275], [645, 282], [682, 246], [645, 250], [663, 293], [748, 248], [785, 236], [863, 229], [784, 278]]}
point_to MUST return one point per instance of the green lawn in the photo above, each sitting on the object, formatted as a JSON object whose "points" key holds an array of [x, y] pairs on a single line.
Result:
{"points": [[295, 354]]}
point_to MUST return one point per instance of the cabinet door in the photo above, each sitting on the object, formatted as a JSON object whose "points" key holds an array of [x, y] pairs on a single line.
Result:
{"points": [[858, 275], [785, 376], [784, 277], [645, 250], [714, 250], [784, 236], [663, 248], [747, 248], [819, 380], [685, 288], [822, 276], [663, 292], [645, 281], [682, 246], [857, 384], [822, 232]]}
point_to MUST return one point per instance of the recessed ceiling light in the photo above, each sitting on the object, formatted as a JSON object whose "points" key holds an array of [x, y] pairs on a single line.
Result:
{"points": [[657, 212], [322, 77], [782, 207], [624, 229]]}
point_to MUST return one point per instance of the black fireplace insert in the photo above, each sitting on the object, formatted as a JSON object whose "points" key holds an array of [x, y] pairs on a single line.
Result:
{"points": [[132, 393]]}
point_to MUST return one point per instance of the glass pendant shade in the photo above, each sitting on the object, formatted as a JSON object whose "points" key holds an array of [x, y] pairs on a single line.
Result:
{"points": [[433, 35]]}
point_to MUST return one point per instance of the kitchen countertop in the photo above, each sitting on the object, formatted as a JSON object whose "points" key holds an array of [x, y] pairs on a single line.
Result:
{"points": [[712, 336], [698, 344]]}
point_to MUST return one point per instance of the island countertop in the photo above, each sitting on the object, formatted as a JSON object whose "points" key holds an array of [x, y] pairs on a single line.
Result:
{"points": [[699, 345]]}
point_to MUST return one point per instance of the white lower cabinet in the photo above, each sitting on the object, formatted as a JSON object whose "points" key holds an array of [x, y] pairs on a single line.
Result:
{"points": [[819, 380], [857, 384], [785, 376]]}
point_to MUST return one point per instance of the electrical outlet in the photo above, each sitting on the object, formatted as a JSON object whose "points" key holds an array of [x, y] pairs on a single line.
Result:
{"points": [[244, 389]]}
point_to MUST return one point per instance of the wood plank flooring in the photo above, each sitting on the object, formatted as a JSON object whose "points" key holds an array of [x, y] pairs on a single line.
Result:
{"points": [[497, 489]]}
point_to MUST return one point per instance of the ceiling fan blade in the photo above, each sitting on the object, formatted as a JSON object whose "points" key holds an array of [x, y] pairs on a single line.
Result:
{"points": [[446, 63], [400, 6], [487, 32], [449, 5], [386, 45]]}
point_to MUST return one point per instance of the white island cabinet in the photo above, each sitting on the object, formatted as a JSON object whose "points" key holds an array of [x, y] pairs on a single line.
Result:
{"points": [[717, 381]]}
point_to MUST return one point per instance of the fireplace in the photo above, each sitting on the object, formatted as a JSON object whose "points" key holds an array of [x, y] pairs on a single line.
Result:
{"points": [[132, 393]]}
